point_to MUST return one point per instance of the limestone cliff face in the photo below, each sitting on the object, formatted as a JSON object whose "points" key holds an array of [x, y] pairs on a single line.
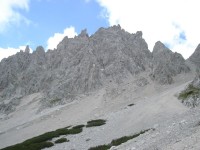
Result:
{"points": [[86, 63], [195, 57], [167, 64]]}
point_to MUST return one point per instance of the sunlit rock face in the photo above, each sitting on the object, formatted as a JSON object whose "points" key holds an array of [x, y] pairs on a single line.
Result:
{"points": [[86, 63], [166, 64]]}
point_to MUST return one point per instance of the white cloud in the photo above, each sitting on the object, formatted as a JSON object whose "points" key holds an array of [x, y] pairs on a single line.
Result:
{"points": [[9, 13], [53, 41], [162, 20], [6, 52]]}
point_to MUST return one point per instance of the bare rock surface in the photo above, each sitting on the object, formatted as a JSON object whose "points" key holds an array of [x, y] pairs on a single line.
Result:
{"points": [[84, 64], [153, 104], [194, 58], [109, 75], [79, 65], [190, 96], [167, 64], [178, 133]]}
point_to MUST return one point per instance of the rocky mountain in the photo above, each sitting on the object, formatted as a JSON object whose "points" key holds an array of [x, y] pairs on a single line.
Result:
{"points": [[190, 96], [111, 76], [194, 58], [84, 64], [167, 64]]}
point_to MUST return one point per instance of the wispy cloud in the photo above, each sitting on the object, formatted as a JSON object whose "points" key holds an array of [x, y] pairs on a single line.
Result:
{"points": [[9, 14], [53, 41], [163, 20]]}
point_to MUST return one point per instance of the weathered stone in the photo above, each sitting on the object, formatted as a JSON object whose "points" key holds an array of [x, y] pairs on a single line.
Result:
{"points": [[86, 63], [195, 57], [166, 64]]}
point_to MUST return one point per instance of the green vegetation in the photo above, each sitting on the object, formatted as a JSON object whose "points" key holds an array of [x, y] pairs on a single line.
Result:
{"points": [[118, 141], [190, 91], [33, 146], [41, 141], [61, 140], [94, 123], [131, 105], [101, 147], [75, 130], [121, 140], [79, 126], [55, 101], [124, 139]]}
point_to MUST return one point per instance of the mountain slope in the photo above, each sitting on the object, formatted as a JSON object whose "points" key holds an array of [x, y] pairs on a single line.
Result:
{"points": [[82, 65], [109, 75]]}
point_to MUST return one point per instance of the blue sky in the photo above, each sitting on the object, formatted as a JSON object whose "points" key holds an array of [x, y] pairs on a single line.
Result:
{"points": [[46, 22], [51, 16]]}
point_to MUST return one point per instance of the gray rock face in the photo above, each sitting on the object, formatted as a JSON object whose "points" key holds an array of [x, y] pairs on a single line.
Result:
{"points": [[191, 95], [166, 64], [27, 50], [84, 64], [196, 81], [195, 57]]}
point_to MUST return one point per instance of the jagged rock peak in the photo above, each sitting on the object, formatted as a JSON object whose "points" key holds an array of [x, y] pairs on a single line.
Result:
{"points": [[167, 64], [139, 34], [160, 47], [198, 48], [116, 27], [27, 49], [197, 51], [83, 33], [194, 58], [39, 50]]}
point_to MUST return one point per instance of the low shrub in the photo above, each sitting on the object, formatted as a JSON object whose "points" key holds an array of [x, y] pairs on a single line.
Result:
{"points": [[189, 91], [94, 123], [55, 101], [41, 138], [75, 130], [41, 141], [34, 146], [121, 140], [78, 126], [61, 140], [118, 141], [101, 147]]}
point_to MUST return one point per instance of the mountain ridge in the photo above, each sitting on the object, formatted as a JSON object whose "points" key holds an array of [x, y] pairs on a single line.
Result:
{"points": [[86, 63], [110, 75]]}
